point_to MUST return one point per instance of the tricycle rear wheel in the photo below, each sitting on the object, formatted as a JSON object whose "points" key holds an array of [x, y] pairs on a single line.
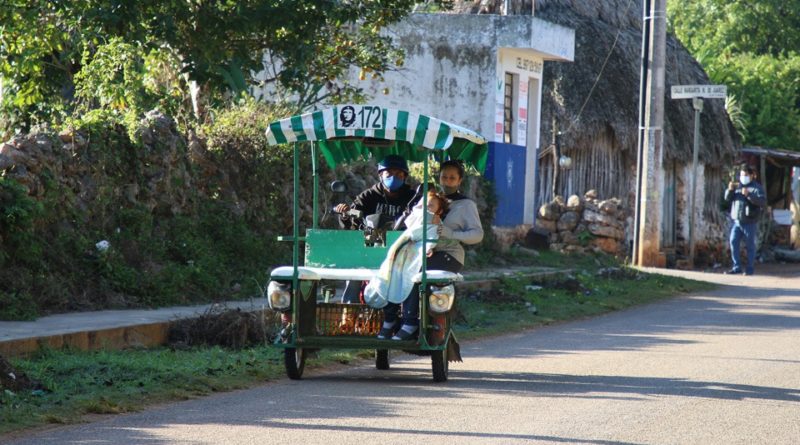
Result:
{"points": [[382, 359], [440, 365], [295, 360]]}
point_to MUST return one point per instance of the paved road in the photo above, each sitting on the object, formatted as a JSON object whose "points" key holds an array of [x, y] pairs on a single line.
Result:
{"points": [[716, 368]]}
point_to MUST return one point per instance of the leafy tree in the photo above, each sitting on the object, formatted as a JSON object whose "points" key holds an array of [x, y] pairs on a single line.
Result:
{"points": [[714, 28], [752, 48], [768, 90], [217, 46]]}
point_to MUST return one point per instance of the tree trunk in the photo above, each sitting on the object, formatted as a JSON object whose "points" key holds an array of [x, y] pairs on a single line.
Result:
{"points": [[198, 107]]}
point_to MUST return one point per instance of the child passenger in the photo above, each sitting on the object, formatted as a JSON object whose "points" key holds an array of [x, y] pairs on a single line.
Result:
{"points": [[394, 280]]}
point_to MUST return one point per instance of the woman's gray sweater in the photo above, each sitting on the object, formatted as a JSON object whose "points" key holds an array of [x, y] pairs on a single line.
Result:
{"points": [[461, 225]]}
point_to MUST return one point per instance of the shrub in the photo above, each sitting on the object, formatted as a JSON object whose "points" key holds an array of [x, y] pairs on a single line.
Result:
{"points": [[18, 212]]}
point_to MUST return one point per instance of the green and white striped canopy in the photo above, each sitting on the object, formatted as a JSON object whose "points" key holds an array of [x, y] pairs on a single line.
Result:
{"points": [[349, 132]]}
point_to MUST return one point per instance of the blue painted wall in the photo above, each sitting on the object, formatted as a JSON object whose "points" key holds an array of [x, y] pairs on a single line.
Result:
{"points": [[506, 169]]}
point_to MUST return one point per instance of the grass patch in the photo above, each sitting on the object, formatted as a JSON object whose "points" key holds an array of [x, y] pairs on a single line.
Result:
{"points": [[111, 382], [519, 257]]}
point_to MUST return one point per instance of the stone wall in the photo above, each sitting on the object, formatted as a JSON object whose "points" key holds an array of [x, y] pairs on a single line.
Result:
{"points": [[156, 174], [585, 224]]}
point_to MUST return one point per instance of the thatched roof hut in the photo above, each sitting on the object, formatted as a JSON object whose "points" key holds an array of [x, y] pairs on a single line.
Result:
{"points": [[595, 103]]}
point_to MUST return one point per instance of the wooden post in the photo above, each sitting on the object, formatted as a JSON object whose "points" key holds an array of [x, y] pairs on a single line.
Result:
{"points": [[697, 104], [764, 224], [555, 159]]}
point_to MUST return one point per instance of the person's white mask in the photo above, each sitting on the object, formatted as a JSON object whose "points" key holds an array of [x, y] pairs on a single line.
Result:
{"points": [[744, 179]]}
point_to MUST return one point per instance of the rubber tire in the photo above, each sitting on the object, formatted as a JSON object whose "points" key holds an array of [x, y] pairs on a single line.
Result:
{"points": [[382, 359], [439, 365], [295, 361]]}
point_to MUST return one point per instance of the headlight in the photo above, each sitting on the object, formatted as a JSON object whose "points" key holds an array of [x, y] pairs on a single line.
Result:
{"points": [[279, 297], [441, 299]]}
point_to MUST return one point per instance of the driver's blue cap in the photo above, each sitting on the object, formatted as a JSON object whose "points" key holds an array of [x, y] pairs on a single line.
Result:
{"points": [[393, 161]]}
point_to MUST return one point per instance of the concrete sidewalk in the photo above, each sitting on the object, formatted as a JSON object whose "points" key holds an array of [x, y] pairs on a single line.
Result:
{"points": [[116, 329], [98, 329]]}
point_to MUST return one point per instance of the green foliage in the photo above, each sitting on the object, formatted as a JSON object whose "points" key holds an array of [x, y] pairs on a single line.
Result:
{"points": [[177, 232], [263, 176], [112, 77], [17, 306], [768, 90], [736, 115], [719, 28], [752, 48], [18, 212], [585, 237], [309, 45]]}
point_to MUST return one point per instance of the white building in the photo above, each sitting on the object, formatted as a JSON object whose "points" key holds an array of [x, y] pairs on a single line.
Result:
{"points": [[483, 72]]}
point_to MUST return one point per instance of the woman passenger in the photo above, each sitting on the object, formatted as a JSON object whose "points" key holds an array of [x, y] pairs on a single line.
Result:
{"points": [[460, 225]]}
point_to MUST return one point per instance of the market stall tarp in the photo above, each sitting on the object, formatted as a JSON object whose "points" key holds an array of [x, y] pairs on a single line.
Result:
{"points": [[349, 132]]}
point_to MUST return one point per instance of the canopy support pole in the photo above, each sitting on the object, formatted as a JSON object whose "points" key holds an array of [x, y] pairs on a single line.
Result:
{"points": [[423, 285], [315, 217], [296, 212], [295, 235]]}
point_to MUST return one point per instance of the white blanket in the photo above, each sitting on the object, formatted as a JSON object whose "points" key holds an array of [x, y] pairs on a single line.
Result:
{"points": [[395, 278]]}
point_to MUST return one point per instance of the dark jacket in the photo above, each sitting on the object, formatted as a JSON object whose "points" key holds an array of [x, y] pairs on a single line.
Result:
{"points": [[746, 209], [376, 200]]}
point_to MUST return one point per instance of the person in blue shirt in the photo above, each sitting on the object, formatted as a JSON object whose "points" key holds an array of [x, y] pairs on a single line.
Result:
{"points": [[746, 198]]}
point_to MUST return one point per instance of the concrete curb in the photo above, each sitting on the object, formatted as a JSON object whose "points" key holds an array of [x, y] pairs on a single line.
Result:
{"points": [[143, 335]]}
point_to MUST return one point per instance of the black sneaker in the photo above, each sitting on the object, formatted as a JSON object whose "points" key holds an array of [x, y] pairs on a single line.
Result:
{"points": [[402, 334], [387, 333]]}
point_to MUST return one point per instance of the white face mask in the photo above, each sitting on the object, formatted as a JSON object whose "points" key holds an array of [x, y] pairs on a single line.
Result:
{"points": [[744, 179]]}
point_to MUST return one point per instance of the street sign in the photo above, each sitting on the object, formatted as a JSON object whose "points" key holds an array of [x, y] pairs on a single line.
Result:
{"points": [[706, 91], [697, 93]]}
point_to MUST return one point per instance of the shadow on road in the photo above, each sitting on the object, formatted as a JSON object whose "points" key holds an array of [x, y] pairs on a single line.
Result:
{"points": [[599, 386]]}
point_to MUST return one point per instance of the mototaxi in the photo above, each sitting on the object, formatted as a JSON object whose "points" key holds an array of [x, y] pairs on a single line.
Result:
{"points": [[305, 293]]}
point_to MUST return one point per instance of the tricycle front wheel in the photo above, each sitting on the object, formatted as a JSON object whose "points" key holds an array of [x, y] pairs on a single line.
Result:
{"points": [[440, 365], [295, 361]]}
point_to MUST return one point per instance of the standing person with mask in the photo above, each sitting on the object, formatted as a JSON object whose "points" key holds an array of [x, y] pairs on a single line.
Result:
{"points": [[460, 225], [390, 197], [746, 199]]}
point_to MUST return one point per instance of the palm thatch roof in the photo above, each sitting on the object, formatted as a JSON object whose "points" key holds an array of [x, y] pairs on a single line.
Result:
{"points": [[591, 104]]}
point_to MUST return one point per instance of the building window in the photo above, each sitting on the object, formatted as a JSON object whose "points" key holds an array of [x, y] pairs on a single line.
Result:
{"points": [[508, 107]]}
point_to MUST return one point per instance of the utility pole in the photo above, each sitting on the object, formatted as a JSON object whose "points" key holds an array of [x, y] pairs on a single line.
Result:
{"points": [[650, 172], [643, 68]]}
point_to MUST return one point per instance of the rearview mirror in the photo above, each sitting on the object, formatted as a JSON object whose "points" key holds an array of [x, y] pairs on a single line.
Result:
{"points": [[338, 187]]}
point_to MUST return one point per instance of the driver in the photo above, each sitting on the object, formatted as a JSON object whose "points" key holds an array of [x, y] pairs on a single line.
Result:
{"points": [[390, 197]]}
